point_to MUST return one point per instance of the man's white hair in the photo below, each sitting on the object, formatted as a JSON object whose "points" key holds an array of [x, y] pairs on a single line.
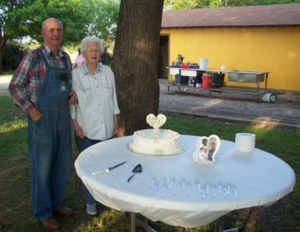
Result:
{"points": [[44, 22]]}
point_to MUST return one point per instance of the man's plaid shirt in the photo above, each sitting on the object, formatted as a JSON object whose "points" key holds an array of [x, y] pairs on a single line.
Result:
{"points": [[28, 77]]}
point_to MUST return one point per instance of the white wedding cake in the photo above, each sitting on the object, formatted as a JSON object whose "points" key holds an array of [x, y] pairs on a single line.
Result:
{"points": [[156, 141]]}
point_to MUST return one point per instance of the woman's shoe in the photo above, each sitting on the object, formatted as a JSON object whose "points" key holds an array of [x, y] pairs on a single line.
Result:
{"points": [[91, 209]]}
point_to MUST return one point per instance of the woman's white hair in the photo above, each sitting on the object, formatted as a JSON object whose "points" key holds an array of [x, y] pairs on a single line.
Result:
{"points": [[88, 39]]}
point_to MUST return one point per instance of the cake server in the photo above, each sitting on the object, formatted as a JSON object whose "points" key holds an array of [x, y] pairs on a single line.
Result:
{"points": [[107, 169], [137, 169]]}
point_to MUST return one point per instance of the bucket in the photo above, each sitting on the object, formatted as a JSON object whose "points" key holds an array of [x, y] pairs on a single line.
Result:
{"points": [[181, 79], [217, 80], [203, 63], [269, 97], [198, 79], [174, 63], [205, 80]]}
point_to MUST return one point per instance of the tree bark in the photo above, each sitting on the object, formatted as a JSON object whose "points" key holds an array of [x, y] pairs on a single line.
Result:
{"points": [[135, 62], [3, 41]]}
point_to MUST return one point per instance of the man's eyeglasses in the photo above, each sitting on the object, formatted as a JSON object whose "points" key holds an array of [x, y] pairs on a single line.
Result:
{"points": [[91, 51]]}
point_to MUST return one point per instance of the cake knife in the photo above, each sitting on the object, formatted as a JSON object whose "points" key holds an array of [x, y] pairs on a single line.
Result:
{"points": [[107, 169]]}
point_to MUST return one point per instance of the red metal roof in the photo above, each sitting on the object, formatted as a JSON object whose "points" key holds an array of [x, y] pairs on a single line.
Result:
{"points": [[263, 15]]}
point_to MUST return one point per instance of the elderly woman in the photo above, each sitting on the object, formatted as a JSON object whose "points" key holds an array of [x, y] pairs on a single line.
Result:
{"points": [[94, 117]]}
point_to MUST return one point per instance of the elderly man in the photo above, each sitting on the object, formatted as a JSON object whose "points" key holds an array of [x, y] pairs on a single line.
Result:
{"points": [[41, 86], [211, 150]]}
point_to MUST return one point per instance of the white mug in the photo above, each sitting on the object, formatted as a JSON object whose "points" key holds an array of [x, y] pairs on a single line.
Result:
{"points": [[245, 142]]}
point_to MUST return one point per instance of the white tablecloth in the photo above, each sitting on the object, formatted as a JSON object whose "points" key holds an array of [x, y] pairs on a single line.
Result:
{"points": [[177, 191]]}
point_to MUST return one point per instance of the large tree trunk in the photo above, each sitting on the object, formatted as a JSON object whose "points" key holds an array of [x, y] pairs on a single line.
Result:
{"points": [[135, 62], [3, 41]]}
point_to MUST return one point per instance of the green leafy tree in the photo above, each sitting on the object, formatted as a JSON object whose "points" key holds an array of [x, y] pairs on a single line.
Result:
{"points": [[103, 20], [185, 4], [194, 4], [23, 18]]}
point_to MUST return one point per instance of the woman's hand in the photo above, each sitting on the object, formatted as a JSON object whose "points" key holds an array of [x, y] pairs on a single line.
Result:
{"points": [[115, 130], [116, 126], [78, 130]]}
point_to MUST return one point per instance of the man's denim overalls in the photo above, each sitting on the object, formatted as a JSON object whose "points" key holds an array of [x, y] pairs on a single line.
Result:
{"points": [[49, 141]]}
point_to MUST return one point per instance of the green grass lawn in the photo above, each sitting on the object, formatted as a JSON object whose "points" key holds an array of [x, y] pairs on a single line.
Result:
{"points": [[15, 207]]}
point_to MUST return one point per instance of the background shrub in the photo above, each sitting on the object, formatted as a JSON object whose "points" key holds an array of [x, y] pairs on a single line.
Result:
{"points": [[13, 54]]}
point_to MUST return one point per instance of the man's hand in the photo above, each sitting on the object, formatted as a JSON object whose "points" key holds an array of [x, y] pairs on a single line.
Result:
{"points": [[35, 114], [73, 97]]}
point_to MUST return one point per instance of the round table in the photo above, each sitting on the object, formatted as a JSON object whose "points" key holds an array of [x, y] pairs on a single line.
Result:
{"points": [[177, 191]]}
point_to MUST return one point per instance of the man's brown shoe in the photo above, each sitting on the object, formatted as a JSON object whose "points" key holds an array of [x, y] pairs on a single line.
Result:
{"points": [[64, 211], [50, 223]]}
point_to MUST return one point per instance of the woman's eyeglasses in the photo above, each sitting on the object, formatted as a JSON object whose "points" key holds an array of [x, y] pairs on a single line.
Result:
{"points": [[91, 51]]}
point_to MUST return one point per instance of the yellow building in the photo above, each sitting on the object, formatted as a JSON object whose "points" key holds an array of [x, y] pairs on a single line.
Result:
{"points": [[264, 38]]}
